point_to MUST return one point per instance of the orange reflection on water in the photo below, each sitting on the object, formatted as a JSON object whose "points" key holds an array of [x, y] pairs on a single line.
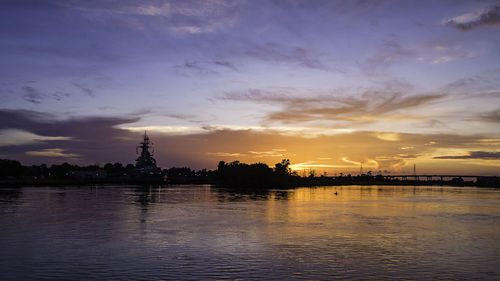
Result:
{"points": [[386, 222]]}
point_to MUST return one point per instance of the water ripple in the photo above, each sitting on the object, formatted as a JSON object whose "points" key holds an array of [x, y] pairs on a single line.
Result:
{"points": [[205, 233]]}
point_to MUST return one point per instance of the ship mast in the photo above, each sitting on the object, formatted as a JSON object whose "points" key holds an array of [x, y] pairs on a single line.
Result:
{"points": [[145, 161]]}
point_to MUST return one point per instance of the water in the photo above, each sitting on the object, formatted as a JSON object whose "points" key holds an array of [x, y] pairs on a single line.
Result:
{"points": [[202, 232]]}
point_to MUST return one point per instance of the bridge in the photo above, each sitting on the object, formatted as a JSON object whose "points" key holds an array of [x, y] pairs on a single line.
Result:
{"points": [[430, 177]]}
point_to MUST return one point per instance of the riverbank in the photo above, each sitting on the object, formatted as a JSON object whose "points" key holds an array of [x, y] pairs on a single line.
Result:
{"points": [[290, 182], [232, 175]]}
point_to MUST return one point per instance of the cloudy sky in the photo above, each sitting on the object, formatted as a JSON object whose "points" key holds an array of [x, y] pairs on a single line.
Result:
{"points": [[327, 84]]}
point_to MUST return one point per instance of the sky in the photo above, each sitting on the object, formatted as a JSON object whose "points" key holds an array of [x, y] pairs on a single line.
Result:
{"points": [[330, 85]]}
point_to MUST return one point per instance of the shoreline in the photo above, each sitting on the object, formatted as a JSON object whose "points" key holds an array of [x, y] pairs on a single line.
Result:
{"points": [[302, 182]]}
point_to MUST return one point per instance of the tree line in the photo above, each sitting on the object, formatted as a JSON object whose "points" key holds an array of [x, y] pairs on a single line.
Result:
{"points": [[233, 175]]}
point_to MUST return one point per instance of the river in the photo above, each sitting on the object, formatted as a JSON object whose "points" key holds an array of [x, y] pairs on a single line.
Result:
{"points": [[205, 232]]}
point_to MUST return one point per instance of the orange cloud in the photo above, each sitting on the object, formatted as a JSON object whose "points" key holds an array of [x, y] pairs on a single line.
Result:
{"points": [[367, 108], [53, 152], [333, 153]]}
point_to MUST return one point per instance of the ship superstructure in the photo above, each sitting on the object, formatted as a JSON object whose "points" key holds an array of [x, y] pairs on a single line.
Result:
{"points": [[145, 163]]}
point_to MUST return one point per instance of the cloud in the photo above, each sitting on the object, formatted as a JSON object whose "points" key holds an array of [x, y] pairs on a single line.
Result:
{"points": [[32, 95], [12, 137], [303, 131], [100, 139], [484, 155], [483, 84], [344, 159], [52, 152], [94, 138], [489, 16], [345, 151], [194, 67], [464, 83], [389, 53], [86, 90], [277, 152], [443, 59], [492, 116], [369, 107], [275, 52], [211, 67], [50, 125], [184, 17], [168, 130], [224, 154], [180, 116], [35, 96], [388, 136], [23, 119], [225, 64], [58, 95], [311, 165]]}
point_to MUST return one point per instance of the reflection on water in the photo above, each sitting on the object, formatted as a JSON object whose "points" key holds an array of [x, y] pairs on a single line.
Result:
{"points": [[202, 232]]}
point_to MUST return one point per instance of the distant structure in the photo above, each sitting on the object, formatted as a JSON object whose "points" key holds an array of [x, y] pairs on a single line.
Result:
{"points": [[361, 168], [145, 163]]}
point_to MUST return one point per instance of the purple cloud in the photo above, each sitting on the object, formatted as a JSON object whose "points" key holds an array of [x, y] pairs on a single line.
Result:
{"points": [[86, 90], [276, 52], [390, 53], [484, 155], [32, 95], [489, 16], [305, 108]]}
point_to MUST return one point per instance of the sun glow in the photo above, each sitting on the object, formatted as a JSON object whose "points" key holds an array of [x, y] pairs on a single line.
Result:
{"points": [[307, 132], [388, 136]]}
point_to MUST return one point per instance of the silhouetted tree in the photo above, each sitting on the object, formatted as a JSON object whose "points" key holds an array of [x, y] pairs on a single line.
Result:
{"points": [[115, 170], [283, 168], [312, 173], [62, 171], [10, 168], [130, 170]]}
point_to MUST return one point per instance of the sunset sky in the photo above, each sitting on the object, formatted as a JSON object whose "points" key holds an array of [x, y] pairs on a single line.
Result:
{"points": [[326, 84]]}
